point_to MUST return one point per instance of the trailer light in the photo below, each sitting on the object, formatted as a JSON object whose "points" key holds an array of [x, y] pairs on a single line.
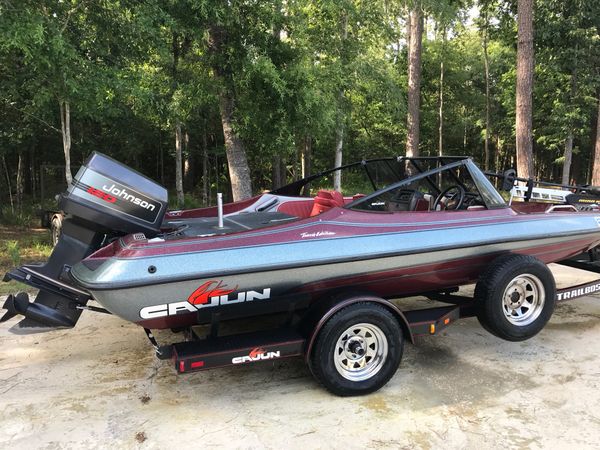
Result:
{"points": [[182, 366], [446, 320], [197, 364], [432, 328]]}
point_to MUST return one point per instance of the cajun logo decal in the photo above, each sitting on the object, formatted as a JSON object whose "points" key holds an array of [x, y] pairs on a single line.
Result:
{"points": [[203, 294], [212, 293], [256, 354]]}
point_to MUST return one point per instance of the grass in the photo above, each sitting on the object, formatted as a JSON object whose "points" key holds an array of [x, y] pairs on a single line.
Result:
{"points": [[19, 245]]}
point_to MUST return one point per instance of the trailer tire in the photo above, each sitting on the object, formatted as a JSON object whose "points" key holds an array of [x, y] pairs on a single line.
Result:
{"points": [[515, 297], [56, 229], [358, 349]]}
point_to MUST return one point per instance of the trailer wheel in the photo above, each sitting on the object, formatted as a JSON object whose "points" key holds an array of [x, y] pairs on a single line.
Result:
{"points": [[358, 350], [515, 297], [56, 229]]}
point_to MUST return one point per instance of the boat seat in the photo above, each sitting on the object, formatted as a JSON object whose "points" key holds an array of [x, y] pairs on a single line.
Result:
{"points": [[422, 205], [326, 200], [298, 208]]}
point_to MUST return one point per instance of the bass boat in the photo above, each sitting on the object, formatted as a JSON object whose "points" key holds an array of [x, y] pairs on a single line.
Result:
{"points": [[402, 226]]}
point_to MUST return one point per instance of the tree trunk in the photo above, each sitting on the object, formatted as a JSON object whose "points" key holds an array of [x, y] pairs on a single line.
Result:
{"points": [[499, 152], [179, 137], [414, 80], [525, 67], [464, 113], [32, 175], [596, 165], [339, 145], [441, 103], [188, 164], [178, 165], [568, 157], [8, 184], [339, 129], [306, 156], [408, 34], [19, 187], [276, 172], [65, 127], [239, 171], [486, 65], [204, 170]]}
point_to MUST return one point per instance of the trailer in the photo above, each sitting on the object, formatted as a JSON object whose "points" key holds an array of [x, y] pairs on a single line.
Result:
{"points": [[293, 336]]}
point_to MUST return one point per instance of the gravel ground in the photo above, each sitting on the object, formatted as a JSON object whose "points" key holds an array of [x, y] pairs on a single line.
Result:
{"points": [[99, 386]]}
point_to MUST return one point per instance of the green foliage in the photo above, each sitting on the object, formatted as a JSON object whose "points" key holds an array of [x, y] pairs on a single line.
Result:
{"points": [[24, 219], [43, 249], [298, 69], [14, 252]]}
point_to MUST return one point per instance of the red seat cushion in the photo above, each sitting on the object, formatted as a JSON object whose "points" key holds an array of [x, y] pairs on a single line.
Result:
{"points": [[326, 200], [298, 208], [422, 205]]}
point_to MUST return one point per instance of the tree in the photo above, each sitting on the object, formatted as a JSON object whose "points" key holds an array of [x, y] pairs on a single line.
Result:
{"points": [[484, 28], [228, 52], [596, 158], [180, 47], [65, 128], [340, 125], [414, 79], [524, 109]]}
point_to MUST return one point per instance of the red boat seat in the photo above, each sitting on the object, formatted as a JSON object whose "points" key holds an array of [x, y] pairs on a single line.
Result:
{"points": [[326, 200], [298, 208], [422, 205]]}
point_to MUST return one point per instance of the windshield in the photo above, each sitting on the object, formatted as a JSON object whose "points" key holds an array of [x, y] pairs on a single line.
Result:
{"points": [[459, 185]]}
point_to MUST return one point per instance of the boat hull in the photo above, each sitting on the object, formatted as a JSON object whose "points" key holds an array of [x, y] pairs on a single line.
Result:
{"points": [[242, 279]]}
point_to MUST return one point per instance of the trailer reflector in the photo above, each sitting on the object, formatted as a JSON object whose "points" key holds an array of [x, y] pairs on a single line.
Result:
{"points": [[432, 328], [197, 364]]}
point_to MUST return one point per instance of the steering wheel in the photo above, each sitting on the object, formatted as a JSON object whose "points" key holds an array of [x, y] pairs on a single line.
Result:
{"points": [[450, 193]]}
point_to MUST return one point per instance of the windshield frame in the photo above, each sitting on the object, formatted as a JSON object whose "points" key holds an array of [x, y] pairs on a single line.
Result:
{"points": [[481, 182], [294, 189]]}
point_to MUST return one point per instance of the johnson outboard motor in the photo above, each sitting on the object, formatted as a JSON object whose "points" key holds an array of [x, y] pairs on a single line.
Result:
{"points": [[106, 200]]}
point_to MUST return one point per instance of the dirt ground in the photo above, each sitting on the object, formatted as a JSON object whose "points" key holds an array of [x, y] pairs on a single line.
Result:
{"points": [[99, 386]]}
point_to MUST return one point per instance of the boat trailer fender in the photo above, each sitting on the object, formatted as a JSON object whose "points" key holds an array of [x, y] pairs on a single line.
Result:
{"points": [[316, 319]]}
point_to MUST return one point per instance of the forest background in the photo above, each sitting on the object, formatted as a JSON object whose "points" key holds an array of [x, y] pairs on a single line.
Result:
{"points": [[206, 96]]}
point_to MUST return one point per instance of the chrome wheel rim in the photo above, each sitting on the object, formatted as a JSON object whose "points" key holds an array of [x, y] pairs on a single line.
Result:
{"points": [[523, 299], [360, 352]]}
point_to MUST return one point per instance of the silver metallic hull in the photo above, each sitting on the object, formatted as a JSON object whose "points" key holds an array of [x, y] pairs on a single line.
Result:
{"points": [[303, 269]]}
